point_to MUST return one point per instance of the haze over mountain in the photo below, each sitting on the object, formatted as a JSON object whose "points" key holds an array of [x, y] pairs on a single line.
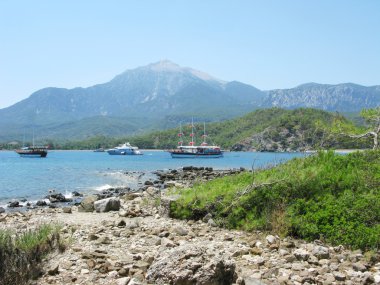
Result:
{"points": [[347, 97], [161, 95]]}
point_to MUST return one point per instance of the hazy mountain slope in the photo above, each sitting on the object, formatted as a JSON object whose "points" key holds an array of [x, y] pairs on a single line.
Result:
{"points": [[150, 92], [346, 97], [151, 96]]}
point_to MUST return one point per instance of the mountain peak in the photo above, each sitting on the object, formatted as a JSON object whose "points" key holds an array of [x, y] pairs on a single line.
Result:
{"points": [[164, 65], [169, 66]]}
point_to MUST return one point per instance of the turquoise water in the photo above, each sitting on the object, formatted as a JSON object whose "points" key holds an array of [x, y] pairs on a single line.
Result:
{"points": [[83, 171]]}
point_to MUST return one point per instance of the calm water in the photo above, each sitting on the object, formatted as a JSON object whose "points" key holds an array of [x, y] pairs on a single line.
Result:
{"points": [[83, 171]]}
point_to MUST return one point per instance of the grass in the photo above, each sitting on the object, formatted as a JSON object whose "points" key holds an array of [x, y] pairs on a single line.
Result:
{"points": [[329, 196], [21, 253]]}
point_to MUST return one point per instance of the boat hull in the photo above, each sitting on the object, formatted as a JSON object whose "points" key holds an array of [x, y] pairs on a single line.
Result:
{"points": [[122, 152], [40, 153], [195, 155]]}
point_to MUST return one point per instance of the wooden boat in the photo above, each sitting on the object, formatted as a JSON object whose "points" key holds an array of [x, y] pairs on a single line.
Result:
{"points": [[191, 151], [32, 151]]}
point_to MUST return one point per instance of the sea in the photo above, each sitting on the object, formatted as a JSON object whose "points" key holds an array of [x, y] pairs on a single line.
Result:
{"points": [[31, 179]]}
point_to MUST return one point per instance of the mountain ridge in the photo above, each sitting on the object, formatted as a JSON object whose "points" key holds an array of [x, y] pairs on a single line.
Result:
{"points": [[164, 89]]}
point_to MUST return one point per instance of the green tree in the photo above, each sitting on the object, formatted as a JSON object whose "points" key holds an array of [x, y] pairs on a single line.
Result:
{"points": [[372, 118]]}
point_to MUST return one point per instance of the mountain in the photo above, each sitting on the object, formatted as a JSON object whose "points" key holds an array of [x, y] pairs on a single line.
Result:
{"points": [[159, 96], [148, 94], [345, 97]]}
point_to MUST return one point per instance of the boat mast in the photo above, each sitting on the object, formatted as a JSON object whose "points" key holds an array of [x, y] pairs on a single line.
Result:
{"points": [[204, 134], [180, 134], [192, 131]]}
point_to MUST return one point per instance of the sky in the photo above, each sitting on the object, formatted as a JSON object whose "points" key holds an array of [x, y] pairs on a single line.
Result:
{"points": [[268, 44]]}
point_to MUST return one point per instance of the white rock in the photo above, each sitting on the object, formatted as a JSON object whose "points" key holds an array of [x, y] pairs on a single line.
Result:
{"points": [[321, 252], [301, 254], [377, 278], [123, 281], [271, 239]]}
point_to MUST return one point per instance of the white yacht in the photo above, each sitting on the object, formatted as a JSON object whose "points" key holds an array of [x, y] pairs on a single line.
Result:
{"points": [[124, 149]]}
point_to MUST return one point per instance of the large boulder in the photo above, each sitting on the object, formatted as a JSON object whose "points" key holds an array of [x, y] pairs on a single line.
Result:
{"points": [[106, 205], [191, 264], [87, 204]]}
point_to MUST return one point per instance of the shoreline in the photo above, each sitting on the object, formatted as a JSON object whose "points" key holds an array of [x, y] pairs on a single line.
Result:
{"points": [[138, 243], [143, 180]]}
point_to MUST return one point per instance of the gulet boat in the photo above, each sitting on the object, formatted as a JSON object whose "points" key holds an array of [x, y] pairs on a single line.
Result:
{"points": [[192, 151]]}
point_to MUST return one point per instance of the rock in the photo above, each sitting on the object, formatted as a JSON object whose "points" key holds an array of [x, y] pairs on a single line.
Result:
{"points": [[165, 242], [187, 168], [14, 204], [53, 270], [135, 281], [106, 205], [152, 191], [271, 239], [288, 244], [180, 231], [321, 252], [290, 258], [149, 183], [377, 278], [207, 217], [369, 279], [59, 197], [301, 254], [142, 265], [91, 263], [165, 206], [132, 223], [123, 213], [121, 223], [256, 251], [2, 210], [41, 203], [87, 204], [190, 264], [67, 210], [339, 276], [313, 260], [93, 236], [359, 267], [123, 281], [76, 194], [212, 223], [104, 240]]}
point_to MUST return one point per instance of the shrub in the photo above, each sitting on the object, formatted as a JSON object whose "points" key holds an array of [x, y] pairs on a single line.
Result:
{"points": [[327, 195], [21, 253]]}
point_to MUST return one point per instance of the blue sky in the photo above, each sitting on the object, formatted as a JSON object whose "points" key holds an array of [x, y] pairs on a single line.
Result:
{"points": [[268, 44]]}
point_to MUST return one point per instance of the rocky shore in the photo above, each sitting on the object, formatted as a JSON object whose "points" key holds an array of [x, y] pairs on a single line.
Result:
{"points": [[129, 238]]}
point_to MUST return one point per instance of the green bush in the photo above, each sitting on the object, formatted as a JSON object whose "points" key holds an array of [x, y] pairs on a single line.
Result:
{"points": [[21, 253], [326, 195]]}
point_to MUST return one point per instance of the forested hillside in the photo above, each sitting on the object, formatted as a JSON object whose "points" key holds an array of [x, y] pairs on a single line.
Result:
{"points": [[263, 130]]}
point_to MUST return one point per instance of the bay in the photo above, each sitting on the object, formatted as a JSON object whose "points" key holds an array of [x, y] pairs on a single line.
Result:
{"points": [[86, 171]]}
